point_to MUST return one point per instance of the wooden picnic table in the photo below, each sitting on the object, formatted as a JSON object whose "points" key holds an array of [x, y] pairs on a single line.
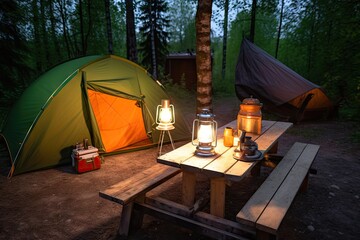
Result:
{"points": [[221, 167]]}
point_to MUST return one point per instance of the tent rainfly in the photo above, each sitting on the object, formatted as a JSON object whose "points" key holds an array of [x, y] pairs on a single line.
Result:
{"points": [[282, 90], [106, 99]]}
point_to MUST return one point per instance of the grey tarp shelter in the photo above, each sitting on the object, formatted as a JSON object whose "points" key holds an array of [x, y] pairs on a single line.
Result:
{"points": [[279, 88]]}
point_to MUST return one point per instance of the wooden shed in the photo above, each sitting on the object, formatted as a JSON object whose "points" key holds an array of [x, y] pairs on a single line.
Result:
{"points": [[181, 69]]}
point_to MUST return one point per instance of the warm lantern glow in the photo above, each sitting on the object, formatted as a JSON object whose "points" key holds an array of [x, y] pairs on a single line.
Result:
{"points": [[204, 134], [250, 116], [165, 115]]}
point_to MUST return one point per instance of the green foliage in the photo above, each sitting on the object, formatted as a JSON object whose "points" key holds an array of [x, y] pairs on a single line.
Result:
{"points": [[154, 41], [319, 39], [182, 27], [240, 28], [14, 52]]}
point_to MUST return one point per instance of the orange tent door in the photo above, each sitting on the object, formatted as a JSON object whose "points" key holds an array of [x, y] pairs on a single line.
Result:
{"points": [[120, 120]]}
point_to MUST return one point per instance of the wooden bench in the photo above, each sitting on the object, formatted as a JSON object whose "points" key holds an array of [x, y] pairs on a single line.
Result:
{"points": [[134, 189], [267, 207]]}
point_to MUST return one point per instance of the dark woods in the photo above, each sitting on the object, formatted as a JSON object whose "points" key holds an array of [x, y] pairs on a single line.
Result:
{"points": [[318, 39]]}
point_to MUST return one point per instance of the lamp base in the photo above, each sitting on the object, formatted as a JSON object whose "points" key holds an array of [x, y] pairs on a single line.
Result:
{"points": [[241, 156], [205, 151], [165, 127]]}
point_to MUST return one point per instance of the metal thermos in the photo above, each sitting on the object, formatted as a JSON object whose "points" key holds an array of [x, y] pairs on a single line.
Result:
{"points": [[86, 143]]}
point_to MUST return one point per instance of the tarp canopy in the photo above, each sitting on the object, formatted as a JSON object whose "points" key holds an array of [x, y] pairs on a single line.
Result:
{"points": [[107, 99], [281, 89]]}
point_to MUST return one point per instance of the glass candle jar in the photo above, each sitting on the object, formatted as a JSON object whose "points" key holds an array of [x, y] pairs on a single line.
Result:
{"points": [[228, 137]]}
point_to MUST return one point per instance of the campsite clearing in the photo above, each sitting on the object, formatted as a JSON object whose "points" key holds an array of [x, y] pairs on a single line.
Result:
{"points": [[59, 204]]}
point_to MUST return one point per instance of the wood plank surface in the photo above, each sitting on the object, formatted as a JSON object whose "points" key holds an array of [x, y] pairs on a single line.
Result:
{"points": [[252, 210], [221, 165], [272, 216], [271, 135], [128, 189], [198, 226], [202, 217], [271, 131]]}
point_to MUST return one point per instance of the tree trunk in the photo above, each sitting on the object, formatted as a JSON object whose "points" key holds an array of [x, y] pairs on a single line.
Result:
{"points": [[131, 49], [37, 38], [279, 30], [153, 45], [45, 41], [225, 28], [253, 20], [63, 23], [203, 56], [90, 24], [81, 16], [53, 32], [108, 26]]}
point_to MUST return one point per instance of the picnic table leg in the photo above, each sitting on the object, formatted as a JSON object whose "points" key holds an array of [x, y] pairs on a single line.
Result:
{"points": [[260, 235], [274, 148], [305, 183], [217, 197], [188, 188]]}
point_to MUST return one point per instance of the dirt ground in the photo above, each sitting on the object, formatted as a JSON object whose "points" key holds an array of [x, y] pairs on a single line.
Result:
{"points": [[60, 204]]}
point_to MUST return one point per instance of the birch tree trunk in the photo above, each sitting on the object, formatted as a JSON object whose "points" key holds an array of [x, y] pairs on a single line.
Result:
{"points": [[153, 45], [225, 28], [279, 29], [253, 20], [203, 56]]}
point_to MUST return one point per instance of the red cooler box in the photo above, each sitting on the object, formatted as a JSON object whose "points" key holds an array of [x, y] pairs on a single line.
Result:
{"points": [[85, 160]]}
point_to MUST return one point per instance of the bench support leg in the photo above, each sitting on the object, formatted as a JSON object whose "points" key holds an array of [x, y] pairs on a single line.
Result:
{"points": [[131, 219], [188, 188], [125, 218]]}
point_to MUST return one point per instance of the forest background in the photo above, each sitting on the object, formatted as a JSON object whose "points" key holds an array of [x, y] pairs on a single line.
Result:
{"points": [[319, 39]]}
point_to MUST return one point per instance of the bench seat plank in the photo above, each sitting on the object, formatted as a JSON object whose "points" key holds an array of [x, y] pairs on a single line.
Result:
{"points": [[272, 216], [128, 189], [252, 210]]}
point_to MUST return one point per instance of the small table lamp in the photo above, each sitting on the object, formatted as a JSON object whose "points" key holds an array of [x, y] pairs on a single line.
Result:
{"points": [[165, 118]]}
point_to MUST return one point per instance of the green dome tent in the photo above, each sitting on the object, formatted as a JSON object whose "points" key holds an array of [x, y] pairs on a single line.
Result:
{"points": [[107, 99]]}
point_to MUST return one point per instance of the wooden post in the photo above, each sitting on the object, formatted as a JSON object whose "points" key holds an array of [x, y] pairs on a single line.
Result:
{"points": [[125, 220], [188, 188], [305, 183], [217, 197]]}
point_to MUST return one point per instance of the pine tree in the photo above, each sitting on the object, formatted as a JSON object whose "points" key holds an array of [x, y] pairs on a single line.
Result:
{"points": [[153, 46], [13, 48]]}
